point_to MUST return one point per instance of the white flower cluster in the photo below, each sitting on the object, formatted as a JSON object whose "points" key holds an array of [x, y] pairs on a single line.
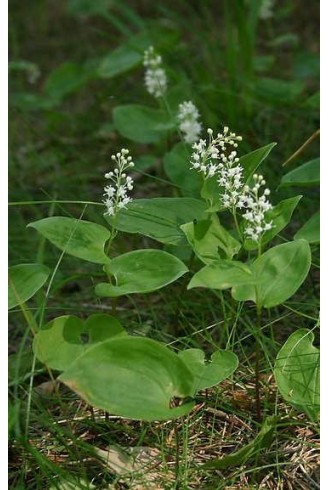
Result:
{"points": [[208, 158], [215, 158], [155, 76], [115, 194], [257, 206], [189, 126], [266, 9]]}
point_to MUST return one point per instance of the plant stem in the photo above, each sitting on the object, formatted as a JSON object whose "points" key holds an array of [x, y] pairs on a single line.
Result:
{"points": [[177, 456], [236, 222], [257, 366]]}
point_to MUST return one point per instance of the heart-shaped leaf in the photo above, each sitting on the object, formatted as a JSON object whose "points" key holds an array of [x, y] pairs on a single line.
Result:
{"points": [[207, 374], [210, 240], [278, 274], [223, 274], [24, 281], [134, 377], [310, 231], [61, 341], [160, 218], [141, 271], [297, 372], [142, 124], [79, 238]]}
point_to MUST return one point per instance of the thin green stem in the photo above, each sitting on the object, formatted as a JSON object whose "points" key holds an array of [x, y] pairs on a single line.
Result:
{"points": [[29, 398], [234, 214], [177, 455], [257, 364], [258, 346]]}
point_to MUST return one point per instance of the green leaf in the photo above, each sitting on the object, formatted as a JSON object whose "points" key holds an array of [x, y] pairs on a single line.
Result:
{"points": [[141, 271], [160, 218], [278, 274], [297, 372], [144, 162], [32, 102], [130, 54], [251, 161], [210, 240], [67, 78], [177, 168], [60, 342], [123, 58], [212, 193], [307, 174], [278, 91], [280, 216], [81, 239], [313, 102], [310, 231], [24, 281], [88, 7], [142, 124], [263, 440], [133, 377], [207, 374], [223, 274]]}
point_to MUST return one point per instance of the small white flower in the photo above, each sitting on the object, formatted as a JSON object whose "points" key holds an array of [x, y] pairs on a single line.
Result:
{"points": [[155, 76], [216, 149], [116, 195], [189, 125], [257, 207], [266, 10]]}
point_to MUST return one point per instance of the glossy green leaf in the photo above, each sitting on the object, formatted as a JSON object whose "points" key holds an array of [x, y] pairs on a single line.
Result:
{"points": [[251, 161], [278, 274], [280, 216], [160, 218], [82, 239], [263, 440], [223, 274], [24, 281], [209, 373], [297, 372], [310, 231], [132, 377], [62, 340], [65, 79], [307, 174], [177, 168], [141, 271], [210, 240], [142, 124]]}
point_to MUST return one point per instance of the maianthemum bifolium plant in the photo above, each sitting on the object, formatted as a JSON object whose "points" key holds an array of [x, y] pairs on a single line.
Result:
{"points": [[141, 378]]}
